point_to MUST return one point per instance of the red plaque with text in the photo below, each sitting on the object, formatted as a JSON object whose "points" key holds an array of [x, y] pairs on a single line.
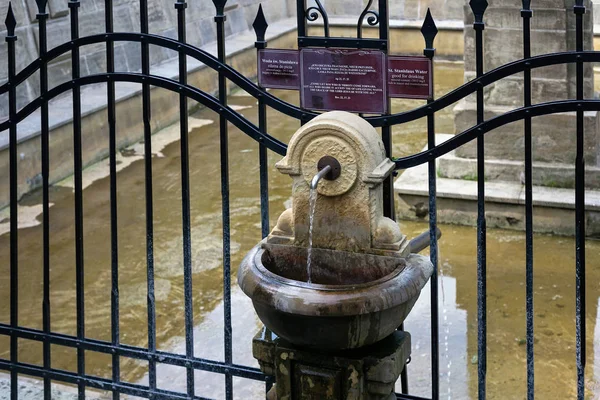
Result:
{"points": [[279, 69], [342, 79], [410, 77]]}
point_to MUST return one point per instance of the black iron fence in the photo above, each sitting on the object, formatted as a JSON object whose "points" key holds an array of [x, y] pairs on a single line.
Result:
{"points": [[228, 75]]}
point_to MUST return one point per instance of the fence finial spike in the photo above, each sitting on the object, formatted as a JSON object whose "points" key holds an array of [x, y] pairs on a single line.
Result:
{"points": [[526, 4], [478, 7], [10, 21], [260, 24], [41, 4], [220, 6], [429, 30]]}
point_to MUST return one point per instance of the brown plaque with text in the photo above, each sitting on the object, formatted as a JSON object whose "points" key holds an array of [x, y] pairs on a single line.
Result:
{"points": [[410, 77], [279, 69], [342, 79]]}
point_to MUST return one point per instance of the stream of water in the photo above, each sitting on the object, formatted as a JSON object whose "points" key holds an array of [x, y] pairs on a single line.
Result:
{"points": [[554, 266], [312, 200]]}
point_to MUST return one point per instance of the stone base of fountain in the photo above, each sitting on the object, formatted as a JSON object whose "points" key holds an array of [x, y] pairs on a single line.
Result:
{"points": [[368, 373]]}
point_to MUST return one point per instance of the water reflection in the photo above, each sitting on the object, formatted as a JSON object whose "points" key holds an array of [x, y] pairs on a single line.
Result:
{"points": [[554, 271]]}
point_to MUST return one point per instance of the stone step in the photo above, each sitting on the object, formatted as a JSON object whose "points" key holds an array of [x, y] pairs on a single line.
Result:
{"points": [[553, 136], [553, 208], [556, 175]]}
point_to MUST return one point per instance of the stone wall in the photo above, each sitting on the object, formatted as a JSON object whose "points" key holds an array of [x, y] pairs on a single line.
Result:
{"points": [[162, 20], [399, 9], [450, 10]]}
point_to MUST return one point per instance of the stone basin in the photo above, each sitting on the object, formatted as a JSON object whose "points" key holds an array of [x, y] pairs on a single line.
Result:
{"points": [[353, 300]]}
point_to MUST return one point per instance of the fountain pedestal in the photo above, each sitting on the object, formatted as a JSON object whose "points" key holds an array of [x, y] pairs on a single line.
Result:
{"points": [[368, 373]]}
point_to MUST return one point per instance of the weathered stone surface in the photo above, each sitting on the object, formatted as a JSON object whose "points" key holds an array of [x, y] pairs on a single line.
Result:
{"points": [[553, 136], [162, 18], [364, 374], [349, 215], [543, 174], [358, 281], [553, 207]]}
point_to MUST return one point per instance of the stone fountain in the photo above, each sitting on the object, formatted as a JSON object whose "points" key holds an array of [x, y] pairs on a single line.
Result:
{"points": [[331, 331]]}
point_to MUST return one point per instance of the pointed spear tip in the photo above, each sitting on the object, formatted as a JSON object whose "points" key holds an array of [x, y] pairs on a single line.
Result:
{"points": [[478, 7], [41, 4], [429, 29], [260, 24], [10, 21]]}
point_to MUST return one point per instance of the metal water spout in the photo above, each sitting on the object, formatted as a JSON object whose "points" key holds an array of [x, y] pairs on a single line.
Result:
{"points": [[318, 176]]}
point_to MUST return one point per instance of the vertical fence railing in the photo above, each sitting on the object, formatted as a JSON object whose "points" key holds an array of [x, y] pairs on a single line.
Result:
{"points": [[526, 14], [180, 6], [77, 177], [146, 116], [478, 7], [224, 150], [114, 238], [260, 28], [429, 31], [11, 38], [42, 17], [579, 10]]}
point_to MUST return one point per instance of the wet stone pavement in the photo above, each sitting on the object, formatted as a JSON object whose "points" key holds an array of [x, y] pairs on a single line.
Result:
{"points": [[554, 276]]}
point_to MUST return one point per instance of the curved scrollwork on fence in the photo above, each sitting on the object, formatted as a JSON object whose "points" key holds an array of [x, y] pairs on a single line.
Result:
{"points": [[372, 20], [271, 100], [312, 14]]}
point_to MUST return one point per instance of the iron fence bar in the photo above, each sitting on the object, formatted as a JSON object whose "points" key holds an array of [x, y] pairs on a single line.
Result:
{"points": [[134, 352], [42, 17], [264, 170], [372, 20], [459, 139], [201, 97], [180, 6], [224, 150], [96, 382], [240, 122], [11, 38], [526, 14], [300, 19], [114, 238], [77, 177], [260, 27], [478, 7], [287, 108], [580, 336], [147, 117], [340, 42], [429, 31]]}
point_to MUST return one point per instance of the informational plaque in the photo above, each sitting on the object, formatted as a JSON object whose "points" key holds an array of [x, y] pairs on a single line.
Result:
{"points": [[279, 69], [343, 79], [410, 77]]}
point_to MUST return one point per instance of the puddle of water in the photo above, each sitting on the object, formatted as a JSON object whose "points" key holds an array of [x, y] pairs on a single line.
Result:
{"points": [[554, 271]]}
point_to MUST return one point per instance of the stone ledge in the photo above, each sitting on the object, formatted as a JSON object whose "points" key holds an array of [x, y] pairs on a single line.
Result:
{"points": [[457, 203], [451, 24], [555, 175]]}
